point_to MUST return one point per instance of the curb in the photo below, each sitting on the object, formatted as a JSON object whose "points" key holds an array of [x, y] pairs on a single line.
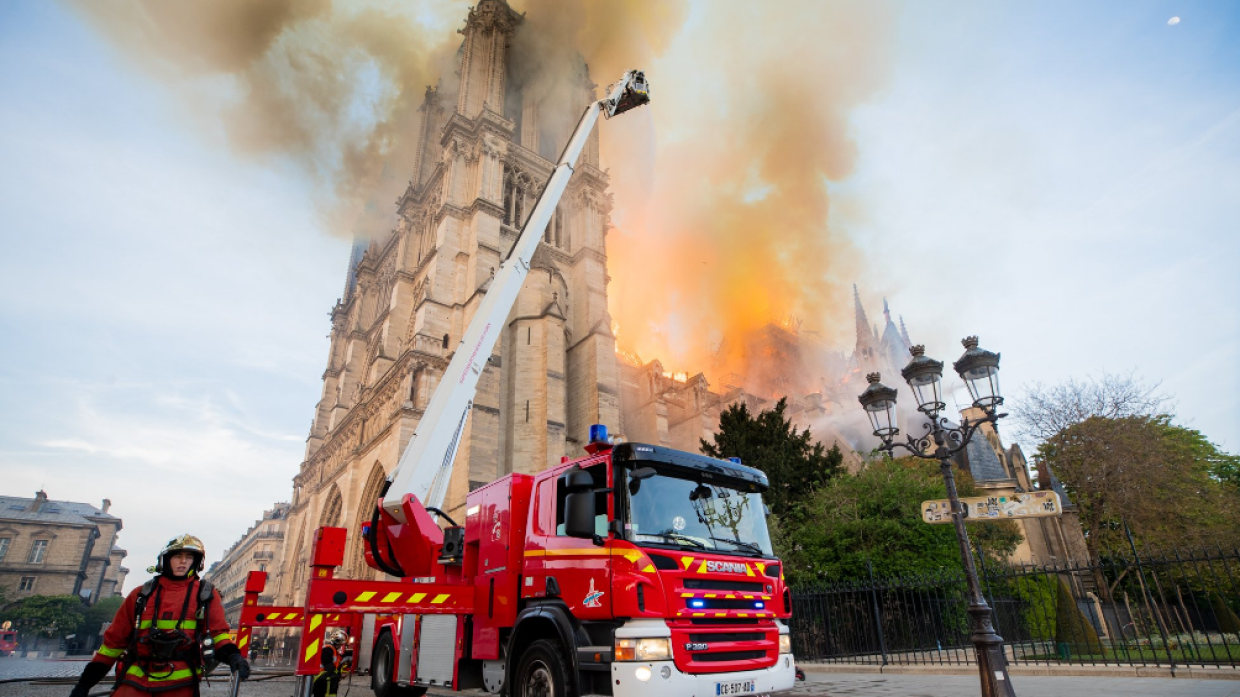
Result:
{"points": [[1192, 673]]}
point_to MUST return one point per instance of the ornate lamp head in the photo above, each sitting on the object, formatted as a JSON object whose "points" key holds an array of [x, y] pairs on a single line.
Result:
{"points": [[925, 376], [879, 402], [979, 369]]}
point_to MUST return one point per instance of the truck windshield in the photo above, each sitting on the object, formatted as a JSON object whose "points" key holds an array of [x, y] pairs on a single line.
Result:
{"points": [[672, 511]]}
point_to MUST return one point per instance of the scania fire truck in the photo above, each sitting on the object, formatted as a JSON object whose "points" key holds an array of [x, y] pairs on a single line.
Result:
{"points": [[632, 570]]}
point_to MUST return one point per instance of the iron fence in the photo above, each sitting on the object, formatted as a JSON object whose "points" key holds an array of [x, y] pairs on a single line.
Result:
{"points": [[1163, 609]]}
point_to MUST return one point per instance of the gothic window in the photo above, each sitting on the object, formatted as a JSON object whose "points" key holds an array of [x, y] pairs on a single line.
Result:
{"points": [[356, 565], [445, 342], [4, 547]]}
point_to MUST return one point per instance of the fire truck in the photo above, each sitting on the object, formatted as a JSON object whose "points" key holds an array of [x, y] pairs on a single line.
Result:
{"points": [[634, 569]]}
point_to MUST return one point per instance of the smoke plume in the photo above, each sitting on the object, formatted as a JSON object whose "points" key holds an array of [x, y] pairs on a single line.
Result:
{"points": [[723, 214], [332, 87], [727, 224]]}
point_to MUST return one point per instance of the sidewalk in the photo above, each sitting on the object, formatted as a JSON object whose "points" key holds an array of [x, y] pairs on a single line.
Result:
{"points": [[886, 685]]}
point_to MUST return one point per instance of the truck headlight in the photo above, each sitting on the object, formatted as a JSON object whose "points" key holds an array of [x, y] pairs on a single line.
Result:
{"points": [[643, 649], [785, 643]]}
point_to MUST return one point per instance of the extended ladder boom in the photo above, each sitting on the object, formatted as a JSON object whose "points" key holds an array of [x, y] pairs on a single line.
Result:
{"points": [[426, 465]]}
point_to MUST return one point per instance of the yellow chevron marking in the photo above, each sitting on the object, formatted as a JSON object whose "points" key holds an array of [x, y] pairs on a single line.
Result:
{"points": [[721, 614], [315, 621], [699, 614], [290, 616], [440, 598], [712, 595], [742, 614], [244, 640], [761, 567], [766, 597], [390, 597], [702, 568], [649, 569], [730, 596], [686, 595], [687, 561], [748, 570], [416, 597], [311, 651], [631, 554], [364, 597]]}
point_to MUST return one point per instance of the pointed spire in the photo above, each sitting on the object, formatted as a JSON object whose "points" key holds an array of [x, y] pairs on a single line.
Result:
{"points": [[863, 324], [904, 332], [886, 310]]}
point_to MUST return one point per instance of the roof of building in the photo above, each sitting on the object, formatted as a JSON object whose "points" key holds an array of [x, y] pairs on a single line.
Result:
{"points": [[63, 512], [983, 462]]}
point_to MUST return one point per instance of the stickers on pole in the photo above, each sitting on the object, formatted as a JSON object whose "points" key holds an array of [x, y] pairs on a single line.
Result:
{"points": [[1032, 504]]}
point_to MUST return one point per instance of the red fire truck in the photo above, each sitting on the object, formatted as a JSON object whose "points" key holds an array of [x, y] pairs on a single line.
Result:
{"points": [[635, 569], [8, 641]]}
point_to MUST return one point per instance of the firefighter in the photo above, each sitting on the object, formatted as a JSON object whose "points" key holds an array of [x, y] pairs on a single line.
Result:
{"points": [[334, 660], [167, 633]]}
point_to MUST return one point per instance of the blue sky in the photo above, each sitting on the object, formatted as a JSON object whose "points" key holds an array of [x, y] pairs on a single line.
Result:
{"points": [[1062, 179]]}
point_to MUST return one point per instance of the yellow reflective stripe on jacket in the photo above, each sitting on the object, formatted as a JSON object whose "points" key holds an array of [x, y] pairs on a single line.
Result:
{"points": [[110, 652], [183, 674], [221, 638], [169, 624]]}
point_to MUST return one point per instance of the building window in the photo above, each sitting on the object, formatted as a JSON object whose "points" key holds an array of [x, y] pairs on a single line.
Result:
{"points": [[27, 583], [37, 552], [4, 547]]}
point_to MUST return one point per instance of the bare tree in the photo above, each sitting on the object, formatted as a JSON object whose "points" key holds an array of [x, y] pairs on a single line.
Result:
{"points": [[1041, 410]]}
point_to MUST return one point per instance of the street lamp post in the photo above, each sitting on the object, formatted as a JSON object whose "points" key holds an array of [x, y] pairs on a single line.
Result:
{"points": [[980, 371]]}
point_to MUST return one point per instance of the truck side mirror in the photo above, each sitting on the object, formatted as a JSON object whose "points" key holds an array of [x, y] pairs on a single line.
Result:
{"points": [[579, 504]]}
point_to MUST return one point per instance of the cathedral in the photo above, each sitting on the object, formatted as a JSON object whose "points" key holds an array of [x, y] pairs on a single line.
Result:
{"points": [[486, 143]]}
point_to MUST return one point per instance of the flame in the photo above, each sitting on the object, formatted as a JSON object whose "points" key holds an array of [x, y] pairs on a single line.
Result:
{"points": [[678, 377], [734, 228]]}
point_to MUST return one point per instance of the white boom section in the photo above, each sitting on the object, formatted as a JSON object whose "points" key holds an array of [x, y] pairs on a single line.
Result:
{"points": [[426, 465]]}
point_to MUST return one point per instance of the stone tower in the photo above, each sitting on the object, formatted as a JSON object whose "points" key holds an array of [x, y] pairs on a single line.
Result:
{"points": [[478, 168]]}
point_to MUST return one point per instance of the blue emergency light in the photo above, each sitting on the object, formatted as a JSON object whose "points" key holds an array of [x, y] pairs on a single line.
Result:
{"points": [[737, 460], [697, 603], [598, 433], [759, 605]]}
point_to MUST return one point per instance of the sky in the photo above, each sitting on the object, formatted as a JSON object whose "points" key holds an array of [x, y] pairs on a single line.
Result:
{"points": [[1062, 179]]}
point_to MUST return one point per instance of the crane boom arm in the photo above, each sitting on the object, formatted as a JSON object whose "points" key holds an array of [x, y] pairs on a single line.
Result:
{"points": [[426, 465]]}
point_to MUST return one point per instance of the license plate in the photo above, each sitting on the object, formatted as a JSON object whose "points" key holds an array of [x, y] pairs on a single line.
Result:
{"points": [[742, 687]]}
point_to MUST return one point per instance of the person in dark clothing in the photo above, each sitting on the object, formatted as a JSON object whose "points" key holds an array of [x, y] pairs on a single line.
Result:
{"points": [[334, 660]]}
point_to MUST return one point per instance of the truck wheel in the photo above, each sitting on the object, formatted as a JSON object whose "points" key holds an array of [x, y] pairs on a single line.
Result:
{"points": [[542, 672], [383, 671]]}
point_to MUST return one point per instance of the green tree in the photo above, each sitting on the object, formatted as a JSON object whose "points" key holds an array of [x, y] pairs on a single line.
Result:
{"points": [[1161, 480], [100, 612], [875, 515], [795, 465], [48, 616]]}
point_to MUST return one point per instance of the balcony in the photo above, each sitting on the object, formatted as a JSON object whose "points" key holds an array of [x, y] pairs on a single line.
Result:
{"points": [[264, 555]]}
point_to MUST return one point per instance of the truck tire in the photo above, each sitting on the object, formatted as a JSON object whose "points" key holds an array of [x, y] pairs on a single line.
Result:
{"points": [[541, 672], [383, 671]]}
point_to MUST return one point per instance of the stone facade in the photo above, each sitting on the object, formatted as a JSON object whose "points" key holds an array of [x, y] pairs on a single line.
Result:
{"points": [[59, 548], [261, 548], [480, 161]]}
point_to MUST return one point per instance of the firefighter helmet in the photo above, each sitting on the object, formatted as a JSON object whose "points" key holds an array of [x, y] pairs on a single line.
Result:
{"points": [[183, 543], [337, 637]]}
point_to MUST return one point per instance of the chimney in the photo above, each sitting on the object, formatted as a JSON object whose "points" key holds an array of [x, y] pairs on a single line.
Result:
{"points": [[40, 498], [107, 503]]}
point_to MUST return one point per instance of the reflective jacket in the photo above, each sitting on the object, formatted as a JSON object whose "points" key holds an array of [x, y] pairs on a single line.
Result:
{"points": [[167, 607]]}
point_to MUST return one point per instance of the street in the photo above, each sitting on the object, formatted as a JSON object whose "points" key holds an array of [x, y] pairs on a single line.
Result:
{"points": [[817, 685]]}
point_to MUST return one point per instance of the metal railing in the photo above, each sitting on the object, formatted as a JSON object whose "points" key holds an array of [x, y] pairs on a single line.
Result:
{"points": [[1169, 608]]}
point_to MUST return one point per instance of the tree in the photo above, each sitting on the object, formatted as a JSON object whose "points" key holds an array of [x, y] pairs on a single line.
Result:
{"points": [[48, 616], [794, 464], [1042, 411], [1157, 478], [100, 612], [875, 516]]}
